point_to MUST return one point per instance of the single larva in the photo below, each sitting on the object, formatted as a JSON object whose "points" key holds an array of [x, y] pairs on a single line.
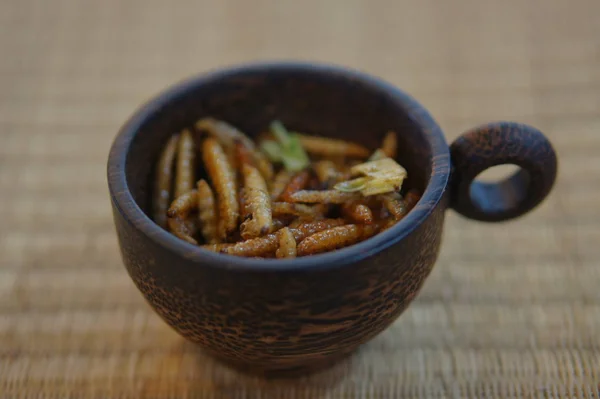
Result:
{"points": [[411, 198], [280, 182], [260, 246], [327, 173], [287, 244], [186, 156], [182, 229], [306, 229], [207, 212], [192, 225], [334, 238], [228, 135], [178, 213], [279, 223], [357, 212], [163, 181], [217, 247], [243, 156], [299, 181], [223, 179], [389, 146], [332, 147], [304, 211], [258, 204], [323, 197], [394, 204], [183, 205], [244, 213]]}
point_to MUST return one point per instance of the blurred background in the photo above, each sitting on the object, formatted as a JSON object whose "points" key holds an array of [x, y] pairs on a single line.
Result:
{"points": [[510, 310]]}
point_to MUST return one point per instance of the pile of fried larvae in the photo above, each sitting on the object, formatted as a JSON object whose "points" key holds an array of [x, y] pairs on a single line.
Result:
{"points": [[289, 195]]}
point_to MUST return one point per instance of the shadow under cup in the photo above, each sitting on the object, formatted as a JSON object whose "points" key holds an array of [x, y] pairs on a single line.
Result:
{"points": [[275, 315]]}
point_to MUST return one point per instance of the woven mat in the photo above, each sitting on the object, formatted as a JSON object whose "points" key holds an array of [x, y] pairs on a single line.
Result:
{"points": [[510, 310]]}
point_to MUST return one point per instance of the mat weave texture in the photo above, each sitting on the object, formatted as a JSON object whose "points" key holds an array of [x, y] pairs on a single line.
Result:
{"points": [[510, 310]]}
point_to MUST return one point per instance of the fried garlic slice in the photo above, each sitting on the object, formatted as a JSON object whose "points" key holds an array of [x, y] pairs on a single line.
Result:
{"points": [[378, 177]]}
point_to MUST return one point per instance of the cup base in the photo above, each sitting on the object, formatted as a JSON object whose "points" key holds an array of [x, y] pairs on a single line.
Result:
{"points": [[275, 372]]}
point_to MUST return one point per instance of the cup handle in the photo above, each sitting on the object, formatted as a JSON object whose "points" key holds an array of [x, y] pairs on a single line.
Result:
{"points": [[498, 144]]}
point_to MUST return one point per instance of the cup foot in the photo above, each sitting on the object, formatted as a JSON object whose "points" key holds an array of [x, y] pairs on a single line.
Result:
{"points": [[278, 372]]}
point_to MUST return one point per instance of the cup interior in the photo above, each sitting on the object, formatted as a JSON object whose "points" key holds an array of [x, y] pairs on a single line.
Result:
{"points": [[320, 101]]}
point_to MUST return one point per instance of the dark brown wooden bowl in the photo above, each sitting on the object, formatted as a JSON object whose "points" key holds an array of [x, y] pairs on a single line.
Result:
{"points": [[303, 313]]}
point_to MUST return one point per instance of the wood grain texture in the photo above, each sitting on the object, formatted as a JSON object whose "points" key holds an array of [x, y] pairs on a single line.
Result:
{"points": [[508, 312]]}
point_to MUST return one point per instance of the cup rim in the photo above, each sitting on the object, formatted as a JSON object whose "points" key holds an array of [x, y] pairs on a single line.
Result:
{"points": [[125, 204]]}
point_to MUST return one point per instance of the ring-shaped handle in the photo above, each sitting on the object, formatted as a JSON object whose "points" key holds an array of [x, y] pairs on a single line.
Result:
{"points": [[498, 144]]}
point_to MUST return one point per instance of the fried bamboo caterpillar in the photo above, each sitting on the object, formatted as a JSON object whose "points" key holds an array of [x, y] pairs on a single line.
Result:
{"points": [[287, 244], [324, 146], [323, 197], [258, 216], [243, 155], [223, 179], [260, 246], [294, 224], [242, 209], [191, 224], [178, 213], [183, 205], [411, 198], [357, 212], [263, 246], [227, 135], [299, 181], [280, 182], [182, 229], [399, 207], [163, 181], [207, 212], [244, 213], [307, 229], [216, 247], [389, 146], [334, 238], [232, 158], [279, 223], [186, 154], [327, 173], [394, 204], [304, 211]]}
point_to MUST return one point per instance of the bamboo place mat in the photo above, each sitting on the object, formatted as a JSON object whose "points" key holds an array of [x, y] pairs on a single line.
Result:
{"points": [[510, 310]]}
